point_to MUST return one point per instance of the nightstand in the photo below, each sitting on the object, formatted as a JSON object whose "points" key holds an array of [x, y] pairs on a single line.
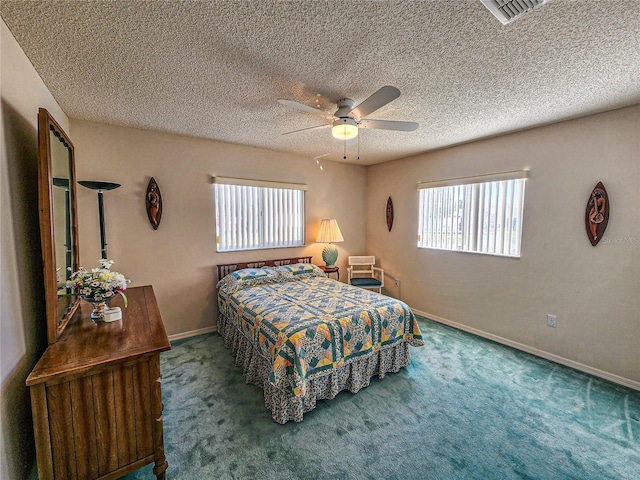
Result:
{"points": [[330, 270]]}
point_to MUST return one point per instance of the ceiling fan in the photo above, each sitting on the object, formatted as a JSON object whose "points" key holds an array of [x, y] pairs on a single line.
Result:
{"points": [[346, 121]]}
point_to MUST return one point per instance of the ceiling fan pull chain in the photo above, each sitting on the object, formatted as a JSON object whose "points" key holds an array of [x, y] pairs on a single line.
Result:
{"points": [[345, 150], [359, 145]]}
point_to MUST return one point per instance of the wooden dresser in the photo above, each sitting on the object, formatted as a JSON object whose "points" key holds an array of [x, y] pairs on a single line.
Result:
{"points": [[96, 394]]}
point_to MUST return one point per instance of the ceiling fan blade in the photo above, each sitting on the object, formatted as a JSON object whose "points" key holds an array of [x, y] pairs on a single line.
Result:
{"points": [[304, 108], [376, 101], [389, 125], [308, 128]]}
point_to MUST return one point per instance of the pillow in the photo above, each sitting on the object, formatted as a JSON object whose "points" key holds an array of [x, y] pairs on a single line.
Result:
{"points": [[249, 273], [299, 270], [247, 277]]}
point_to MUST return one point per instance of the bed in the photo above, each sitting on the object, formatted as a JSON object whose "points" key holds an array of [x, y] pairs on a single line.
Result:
{"points": [[303, 337]]}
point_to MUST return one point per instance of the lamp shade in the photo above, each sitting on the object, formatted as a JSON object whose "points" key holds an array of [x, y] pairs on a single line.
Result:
{"points": [[344, 128], [329, 232]]}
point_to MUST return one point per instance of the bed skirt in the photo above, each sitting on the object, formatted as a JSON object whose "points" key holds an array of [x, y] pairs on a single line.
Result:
{"points": [[353, 375]]}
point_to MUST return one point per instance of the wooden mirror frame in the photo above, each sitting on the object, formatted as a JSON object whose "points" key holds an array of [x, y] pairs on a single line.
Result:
{"points": [[58, 312]]}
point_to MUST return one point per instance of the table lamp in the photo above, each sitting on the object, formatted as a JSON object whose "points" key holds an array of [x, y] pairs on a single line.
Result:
{"points": [[329, 233]]}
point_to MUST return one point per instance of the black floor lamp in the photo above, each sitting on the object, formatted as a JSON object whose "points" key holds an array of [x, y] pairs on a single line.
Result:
{"points": [[100, 187], [64, 184]]}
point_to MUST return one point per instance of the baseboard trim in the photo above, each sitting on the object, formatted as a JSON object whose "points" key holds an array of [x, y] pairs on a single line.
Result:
{"points": [[535, 351], [192, 333]]}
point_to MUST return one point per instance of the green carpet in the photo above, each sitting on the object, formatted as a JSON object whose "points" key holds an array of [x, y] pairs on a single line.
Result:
{"points": [[466, 408]]}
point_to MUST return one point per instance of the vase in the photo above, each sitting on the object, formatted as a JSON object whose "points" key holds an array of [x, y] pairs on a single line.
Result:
{"points": [[97, 314], [98, 310]]}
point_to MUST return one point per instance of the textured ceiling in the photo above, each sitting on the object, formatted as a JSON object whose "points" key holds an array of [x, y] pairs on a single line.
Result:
{"points": [[215, 69]]}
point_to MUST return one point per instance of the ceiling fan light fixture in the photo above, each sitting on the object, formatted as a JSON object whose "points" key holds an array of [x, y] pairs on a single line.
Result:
{"points": [[344, 129]]}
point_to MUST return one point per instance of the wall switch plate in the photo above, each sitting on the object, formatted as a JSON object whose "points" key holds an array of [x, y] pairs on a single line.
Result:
{"points": [[552, 321]]}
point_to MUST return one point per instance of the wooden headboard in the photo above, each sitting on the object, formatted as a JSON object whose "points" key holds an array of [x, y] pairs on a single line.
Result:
{"points": [[224, 270]]}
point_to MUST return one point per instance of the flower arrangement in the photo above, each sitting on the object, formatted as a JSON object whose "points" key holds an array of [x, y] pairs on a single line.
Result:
{"points": [[99, 284]]}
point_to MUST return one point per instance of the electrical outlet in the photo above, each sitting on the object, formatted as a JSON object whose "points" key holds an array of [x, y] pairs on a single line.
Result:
{"points": [[397, 282], [552, 321]]}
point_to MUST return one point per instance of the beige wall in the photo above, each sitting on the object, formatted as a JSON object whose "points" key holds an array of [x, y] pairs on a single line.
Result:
{"points": [[595, 292], [22, 307], [179, 258]]}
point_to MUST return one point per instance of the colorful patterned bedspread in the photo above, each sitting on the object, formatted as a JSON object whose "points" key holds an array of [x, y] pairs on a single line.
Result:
{"points": [[308, 326]]}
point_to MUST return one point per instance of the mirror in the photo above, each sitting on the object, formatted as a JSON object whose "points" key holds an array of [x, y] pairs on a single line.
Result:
{"points": [[58, 222]]}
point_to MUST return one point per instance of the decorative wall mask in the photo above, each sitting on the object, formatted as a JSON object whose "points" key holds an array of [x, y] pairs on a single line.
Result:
{"points": [[597, 214], [154, 203], [389, 214]]}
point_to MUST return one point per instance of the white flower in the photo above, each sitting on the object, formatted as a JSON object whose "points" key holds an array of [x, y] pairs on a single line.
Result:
{"points": [[99, 283]]}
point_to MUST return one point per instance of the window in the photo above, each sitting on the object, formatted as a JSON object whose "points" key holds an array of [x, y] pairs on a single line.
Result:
{"points": [[255, 214], [478, 214]]}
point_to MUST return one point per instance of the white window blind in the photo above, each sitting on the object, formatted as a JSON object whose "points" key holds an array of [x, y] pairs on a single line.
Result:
{"points": [[475, 214], [255, 214]]}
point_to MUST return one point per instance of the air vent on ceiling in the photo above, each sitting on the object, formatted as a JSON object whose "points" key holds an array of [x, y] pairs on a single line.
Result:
{"points": [[508, 10]]}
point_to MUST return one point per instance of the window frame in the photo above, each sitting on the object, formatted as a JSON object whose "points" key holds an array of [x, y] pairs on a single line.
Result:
{"points": [[481, 200], [267, 228]]}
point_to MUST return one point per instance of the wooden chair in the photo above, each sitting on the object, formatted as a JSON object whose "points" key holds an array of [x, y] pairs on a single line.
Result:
{"points": [[362, 273]]}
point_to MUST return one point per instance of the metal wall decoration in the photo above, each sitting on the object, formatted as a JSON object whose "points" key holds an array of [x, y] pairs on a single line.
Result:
{"points": [[154, 203], [597, 214], [389, 214]]}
